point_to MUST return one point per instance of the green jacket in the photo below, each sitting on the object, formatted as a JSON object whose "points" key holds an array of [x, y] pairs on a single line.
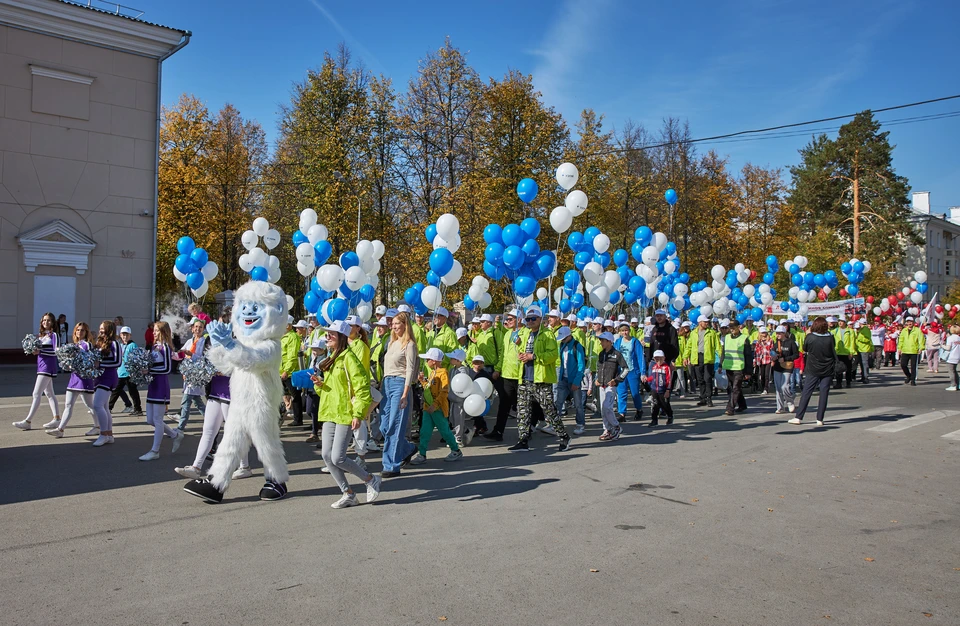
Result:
{"points": [[845, 345], [290, 352], [375, 352], [345, 392], [592, 350], [509, 365], [362, 350], [711, 346], [799, 336], [911, 342], [864, 341], [420, 337], [446, 340], [683, 350], [546, 355], [487, 346]]}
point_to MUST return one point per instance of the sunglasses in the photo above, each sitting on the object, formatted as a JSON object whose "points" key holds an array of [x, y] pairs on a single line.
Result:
{"points": [[531, 319]]}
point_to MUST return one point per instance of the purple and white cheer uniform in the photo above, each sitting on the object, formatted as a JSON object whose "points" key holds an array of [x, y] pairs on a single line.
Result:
{"points": [[47, 359], [159, 390]]}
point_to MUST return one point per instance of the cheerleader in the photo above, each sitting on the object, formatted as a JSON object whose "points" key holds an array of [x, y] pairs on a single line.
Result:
{"points": [[46, 372], [81, 388], [110, 354], [158, 393]]}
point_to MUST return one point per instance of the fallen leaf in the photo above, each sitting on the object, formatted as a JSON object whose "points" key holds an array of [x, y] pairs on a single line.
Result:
{"points": [[781, 497], [594, 571], [925, 614], [827, 617], [753, 460], [956, 569], [893, 521], [695, 500], [868, 559], [443, 618], [771, 510]]}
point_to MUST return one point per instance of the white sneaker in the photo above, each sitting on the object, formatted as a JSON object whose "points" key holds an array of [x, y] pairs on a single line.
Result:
{"points": [[951, 388], [325, 470], [177, 440], [93, 432], [578, 429], [819, 422], [102, 440], [468, 437], [373, 446], [763, 393], [243, 472], [55, 432], [547, 428], [24, 425], [791, 408], [54, 423], [150, 456], [347, 499], [794, 421], [373, 489], [189, 472], [455, 455], [419, 459]]}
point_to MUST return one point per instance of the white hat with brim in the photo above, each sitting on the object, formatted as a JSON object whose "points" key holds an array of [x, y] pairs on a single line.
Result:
{"points": [[459, 355], [486, 317], [724, 323], [433, 354], [659, 353], [301, 324], [563, 333], [381, 310], [781, 329], [339, 327], [462, 332], [126, 329], [479, 359], [441, 311]]}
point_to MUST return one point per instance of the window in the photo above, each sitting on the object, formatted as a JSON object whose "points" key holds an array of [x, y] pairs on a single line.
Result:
{"points": [[946, 267]]}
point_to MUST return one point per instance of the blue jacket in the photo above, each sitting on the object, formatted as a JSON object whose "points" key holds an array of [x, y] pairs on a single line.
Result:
{"points": [[573, 362], [122, 370], [632, 353]]}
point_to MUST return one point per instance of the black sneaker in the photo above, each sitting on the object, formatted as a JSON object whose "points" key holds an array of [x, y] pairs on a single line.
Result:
{"points": [[670, 422], [389, 474], [493, 436], [406, 460], [701, 403], [564, 444], [520, 446], [710, 403], [204, 489], [638, 416], [273, 491], [653, 424]]}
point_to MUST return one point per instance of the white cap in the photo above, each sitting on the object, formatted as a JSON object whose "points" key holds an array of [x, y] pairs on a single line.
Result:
{"points": [[703, 318], [572, 318], [534, 311], [319, 342], [486, 317], [367, 328], [608, 324], [339, 327], [608, 336], [657, 353], [381, 310], [553, 313], [831, 319], [909, 319], [623, 322], [433, 354], [686, 324], [441, 311], [475, 320], [479, 357], [781, 329], [126, 329], [676, 324], [621, 317], [647, 320], [581, 324], [462, 332], [404, 308], [843, 318], [301, 324], [457, 354], [724, 323], [514, 312], [289, 320], [382, 322], [858, 324], [597, 320], [634, 320], [353, 320], [563, 333]]}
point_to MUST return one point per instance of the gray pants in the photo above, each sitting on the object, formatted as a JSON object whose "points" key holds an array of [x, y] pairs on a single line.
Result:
{"points": [[336, 438], [457, 419], [865, 366]]}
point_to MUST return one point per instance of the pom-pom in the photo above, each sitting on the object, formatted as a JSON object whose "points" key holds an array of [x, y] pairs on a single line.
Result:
{"points": [[87, 365], [67, 356], [137, 363], [197, 372], [31, 344]]}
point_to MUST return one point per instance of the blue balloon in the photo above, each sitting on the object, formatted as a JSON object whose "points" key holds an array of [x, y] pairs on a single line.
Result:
{"points": [[795, 307], [523, 286], [768, 278], [199, 257], [259, 273], [858, 267], [571, 279], [793, 268], [530, 227], [565, 305], [420, 309], [493, 253], [311, 302], [671, 248], [685, 278], [431, 232], [185, 264], [574, 240], [411, 296], [614, 297], [590, 234], [367, 292], [345, 292], [337, 309], [195, 280], [581, 259], [494, 272], [797, 280], [603, 259], [629, 297], [299, 238], [625, 275], [643, 235], [784, 306], [512, 236], [809, 279], [545, 263], [348, 260], [185, 245], [441, 261], [620, 257], [731, 281], [468, 303], [830, 275], [321, 252], [493, 234], [433, 278], [853, 290], [921, 287], [846, 268], [670, 196], [527, 190], [756, 314], [315, 286], [577, 300], [354, 299], [530, 247], [771, 261], [636, 285], [819, 280], [514, 257]]}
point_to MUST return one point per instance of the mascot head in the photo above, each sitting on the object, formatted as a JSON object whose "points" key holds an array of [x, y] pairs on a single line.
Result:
{"points": [[259, 311]]}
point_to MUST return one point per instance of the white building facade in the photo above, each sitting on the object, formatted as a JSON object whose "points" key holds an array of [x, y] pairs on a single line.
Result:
{"points": [[79, 123], [939, 257]]}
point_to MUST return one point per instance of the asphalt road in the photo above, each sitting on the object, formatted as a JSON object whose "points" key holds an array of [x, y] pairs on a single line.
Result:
{"points": [[717, 520]]}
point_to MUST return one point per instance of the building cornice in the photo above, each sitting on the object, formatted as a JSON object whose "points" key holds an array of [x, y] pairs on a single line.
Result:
{"points": [[47, 72]]}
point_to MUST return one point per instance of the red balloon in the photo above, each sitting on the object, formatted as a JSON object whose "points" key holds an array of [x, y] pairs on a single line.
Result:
{"points": [[870, 299], [939, 309], [753, 275], [953, 314], [822, 296], [843, 292], [892, 300], [900, 296]]}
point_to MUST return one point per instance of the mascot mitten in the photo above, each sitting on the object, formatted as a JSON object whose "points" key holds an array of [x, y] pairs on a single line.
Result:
{"points": [[248, 351]]}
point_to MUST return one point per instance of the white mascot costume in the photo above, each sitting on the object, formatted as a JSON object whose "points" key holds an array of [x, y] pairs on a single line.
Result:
{"points": [[248, 351]]}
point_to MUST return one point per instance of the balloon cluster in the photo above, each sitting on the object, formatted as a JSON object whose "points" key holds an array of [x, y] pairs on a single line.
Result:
{"points": [[561, 218], [310, 241], [475, 393], [478, 295], [445, 271], [854, 270], [336, 289], [194, 267], [256, 261], [901, 301], [513, 254]]}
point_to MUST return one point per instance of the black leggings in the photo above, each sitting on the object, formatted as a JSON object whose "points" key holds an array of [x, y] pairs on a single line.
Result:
{"points": [[848, 367], [809, 384], [118, 394]]}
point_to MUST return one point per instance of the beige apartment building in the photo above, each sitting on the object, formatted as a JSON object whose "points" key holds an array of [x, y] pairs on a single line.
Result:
{"points": [[79, 122]]}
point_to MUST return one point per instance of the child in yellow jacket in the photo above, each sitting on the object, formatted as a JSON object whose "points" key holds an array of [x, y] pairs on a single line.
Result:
{"points": [[436, 408]]}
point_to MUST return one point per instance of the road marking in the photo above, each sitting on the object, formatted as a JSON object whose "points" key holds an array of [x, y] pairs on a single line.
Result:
{"points": [[830, 417], [910, 422], [955, 435], [15, 406]]}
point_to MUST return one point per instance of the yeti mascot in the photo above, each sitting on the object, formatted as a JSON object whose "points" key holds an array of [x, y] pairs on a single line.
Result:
{"points": [[248, 351]]}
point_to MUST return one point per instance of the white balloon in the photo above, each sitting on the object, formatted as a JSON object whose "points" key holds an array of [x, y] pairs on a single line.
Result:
{"points": [[707, 309], [305, 269], [271, 239], [804, 309], [599, 296], [749, 290], [273, 275], [866, 266], [452, 244], [764, 288], [364, 311], [365, 249], [681, 290], [476, 292], [261, 226], [289, 303], [248, 239], [651, 290], [905, 291], [259, 257], [273, 263], [718, 272], [877, 310], [576, 202], [430, 297], [650, 256], [373, 280], [448, 226], [561, 219], [567, 176], [803, 262], [453, 276], [201, 291], [826, 289], [660, 241], [461, 385], [739, 267], [743, 276], [916, 297], [245, 262], [542, 293], [914, 311], [354, 278], [330, 277], [766, 298], [308, 217], [803, 295], [884, 305], [913, 283], [592, 273], [663, 298], [486, 387], [611, 280], [474, 405], [669, 267], [179, 275], [601, 243], [210, 270], [678, 303], [558, 294], [920, 276], [368, 264], [378, 249], [485, 301], [317, 232]]}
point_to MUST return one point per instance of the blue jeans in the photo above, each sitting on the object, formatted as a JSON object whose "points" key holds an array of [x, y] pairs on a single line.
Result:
{"points": [[394, 422], [631, 384], [185, 409], [562, 392], [795, 378]]}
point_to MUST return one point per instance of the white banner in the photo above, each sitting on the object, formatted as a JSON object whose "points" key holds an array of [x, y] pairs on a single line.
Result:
{"points": [[848, 307]]}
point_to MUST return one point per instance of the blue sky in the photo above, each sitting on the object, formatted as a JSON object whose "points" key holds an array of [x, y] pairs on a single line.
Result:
{"points": [[723, 66]]}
